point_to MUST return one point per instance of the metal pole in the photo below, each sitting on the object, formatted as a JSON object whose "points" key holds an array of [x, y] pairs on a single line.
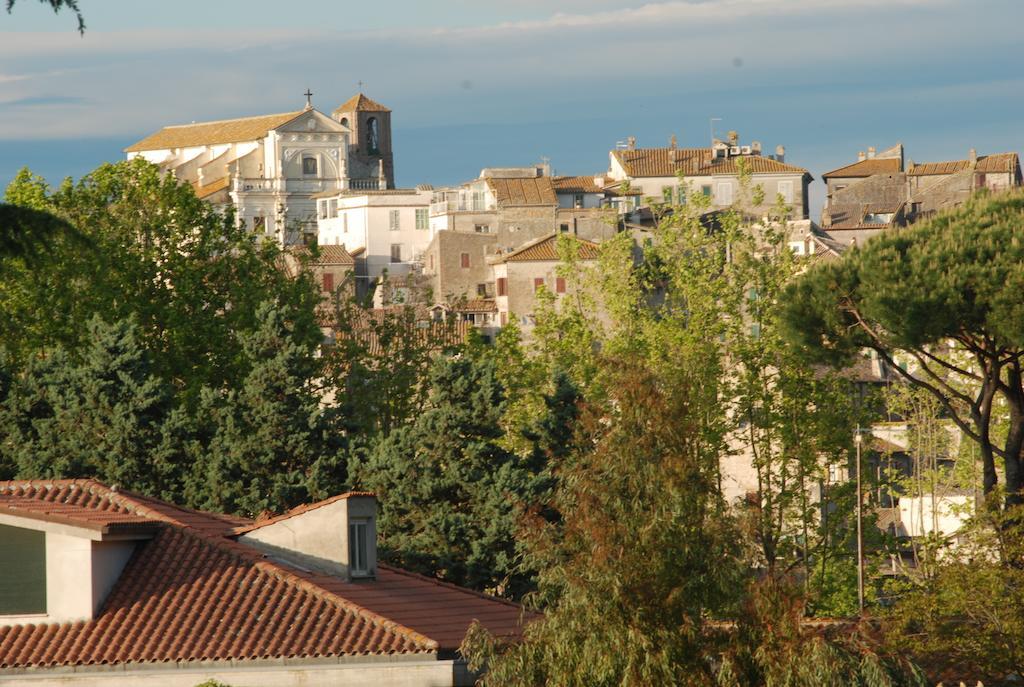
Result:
{"points": [[860, 530]]}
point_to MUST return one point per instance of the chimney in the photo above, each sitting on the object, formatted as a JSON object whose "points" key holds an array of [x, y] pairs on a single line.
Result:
{"points": [[672, 143], [861, 156], [780, 153], [734, 138], [871, 153], [631, 143], [755, 147], [337, 536], [972, 155]]}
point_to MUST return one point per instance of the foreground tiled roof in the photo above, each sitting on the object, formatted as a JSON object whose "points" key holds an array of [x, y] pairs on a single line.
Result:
{"points": [[546, 249], [211, 133], [517, 192], [360, 103], [668, 162], [192, 593], [477, 305], [999, 162], [866, 168], [330, 254]]}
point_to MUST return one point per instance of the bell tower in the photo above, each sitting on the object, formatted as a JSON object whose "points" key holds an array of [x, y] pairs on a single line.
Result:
{"points": [[370, 155]]}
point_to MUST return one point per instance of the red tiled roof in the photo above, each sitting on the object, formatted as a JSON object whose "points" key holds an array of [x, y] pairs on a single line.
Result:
{"points": [[516, 192], [546, 249], [360, 103], [476, 305], [191, 593], [866, 168], [576, 185], [669, 162], [986, 164], [211, 133]]}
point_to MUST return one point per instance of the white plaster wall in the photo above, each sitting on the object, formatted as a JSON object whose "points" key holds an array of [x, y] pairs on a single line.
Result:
{"points": [[108, 560], [952, 512], [380, 674], [318, 538]]}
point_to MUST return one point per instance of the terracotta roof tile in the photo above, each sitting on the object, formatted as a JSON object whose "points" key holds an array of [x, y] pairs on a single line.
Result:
{"points": [[210, 133], [866, 168], [576, 185], [209, 189], [546, 249], [1000, 162], [517, 192], [191, 594], [477, 305], [986, 164], [668, 162], [360, 103]]}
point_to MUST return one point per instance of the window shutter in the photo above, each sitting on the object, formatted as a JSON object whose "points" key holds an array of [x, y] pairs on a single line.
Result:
{"points": [[465, 260], [328, 281], [502, 286], [559, 284], [537, 283]]}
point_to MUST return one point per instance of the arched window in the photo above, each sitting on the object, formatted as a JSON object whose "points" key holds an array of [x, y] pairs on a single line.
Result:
{"points": [[344, 121], [372, 136]]}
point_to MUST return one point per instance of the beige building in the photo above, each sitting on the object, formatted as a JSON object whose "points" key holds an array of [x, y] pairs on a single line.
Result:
{"points": [[520, 274], [102, 587], [269, 167], [672, 175]]}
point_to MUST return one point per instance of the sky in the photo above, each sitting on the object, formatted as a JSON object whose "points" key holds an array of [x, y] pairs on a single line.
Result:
{"points": [[490, 83]]}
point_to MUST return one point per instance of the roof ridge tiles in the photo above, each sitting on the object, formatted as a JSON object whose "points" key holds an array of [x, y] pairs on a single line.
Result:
{"points": [[294, 113]]}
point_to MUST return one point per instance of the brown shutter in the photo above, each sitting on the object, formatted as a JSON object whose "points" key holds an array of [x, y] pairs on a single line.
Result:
{"points": [[328, 281], [559, 284], [538, 282], [465, 260], [502, 286]]}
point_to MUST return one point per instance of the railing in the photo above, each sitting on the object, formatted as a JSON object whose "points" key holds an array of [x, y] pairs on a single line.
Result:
{"points": [[364, 184], [449, 206]]}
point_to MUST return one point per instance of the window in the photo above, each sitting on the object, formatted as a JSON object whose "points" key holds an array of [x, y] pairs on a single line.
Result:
{"points": [[394, 220], [344, 122], [332, 208], [372, 136], [396, 252], [537, 283], [502, 286], [481, 290], [559, 284], [358, 552], [422, 218], [786, 191], [577, 201], [706, 190], [259, 224], [797, 247], [724, 193], [464, 261], [681, 195], [482, 228], [309, 166], [477, 200], [666, 194], [22, 571], [328, 280], [322, 207], [564, 228]]}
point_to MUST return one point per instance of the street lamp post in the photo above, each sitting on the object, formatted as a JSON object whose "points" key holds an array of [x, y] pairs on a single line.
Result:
{"points": [[857, 440]]}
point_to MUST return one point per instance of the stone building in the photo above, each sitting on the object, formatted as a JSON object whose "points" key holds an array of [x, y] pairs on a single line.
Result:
{"points": [[268, 167], [878, 192], [520, 274], [106, 587], [671, 175]]}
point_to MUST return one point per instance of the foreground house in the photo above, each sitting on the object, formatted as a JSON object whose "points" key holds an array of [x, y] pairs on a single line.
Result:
{"points": [[104, 587]]}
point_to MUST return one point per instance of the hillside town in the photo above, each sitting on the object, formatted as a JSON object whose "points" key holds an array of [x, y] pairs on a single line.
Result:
{"points": [[702, 416]]}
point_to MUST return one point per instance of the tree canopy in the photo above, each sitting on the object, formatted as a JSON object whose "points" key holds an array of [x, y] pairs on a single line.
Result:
{"points": [[941, 303]]}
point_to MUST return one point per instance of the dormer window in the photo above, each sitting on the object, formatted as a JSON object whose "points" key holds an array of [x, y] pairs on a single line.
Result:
{"points": [[358, 549], [309, 166]]}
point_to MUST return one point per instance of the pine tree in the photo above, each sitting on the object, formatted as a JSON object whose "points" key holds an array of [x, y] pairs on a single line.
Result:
{"points": [[106, 417], [451, 495], [257, 443]]}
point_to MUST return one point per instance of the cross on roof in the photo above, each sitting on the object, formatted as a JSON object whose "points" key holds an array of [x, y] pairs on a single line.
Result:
{"points": [[309, 98], [360, 82]]}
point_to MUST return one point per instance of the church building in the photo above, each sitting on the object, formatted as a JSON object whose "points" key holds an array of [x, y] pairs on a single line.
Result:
{"points": [[269, 167]]}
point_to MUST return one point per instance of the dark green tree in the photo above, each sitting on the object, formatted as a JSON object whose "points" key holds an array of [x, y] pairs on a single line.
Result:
{"points": [[451, 495], [189, 277], [58, 5], [258, 443], [105, 416], [941, 303]]}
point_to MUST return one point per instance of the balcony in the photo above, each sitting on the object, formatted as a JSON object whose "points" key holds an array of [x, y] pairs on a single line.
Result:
{"points": [[364, 184]]}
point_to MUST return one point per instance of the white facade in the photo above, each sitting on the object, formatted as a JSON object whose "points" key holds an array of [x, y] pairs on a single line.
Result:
{"points": [[393, 226]]}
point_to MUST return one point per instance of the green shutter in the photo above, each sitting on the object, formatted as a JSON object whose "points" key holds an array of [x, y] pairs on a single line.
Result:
{"points": [[22, 571]]}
